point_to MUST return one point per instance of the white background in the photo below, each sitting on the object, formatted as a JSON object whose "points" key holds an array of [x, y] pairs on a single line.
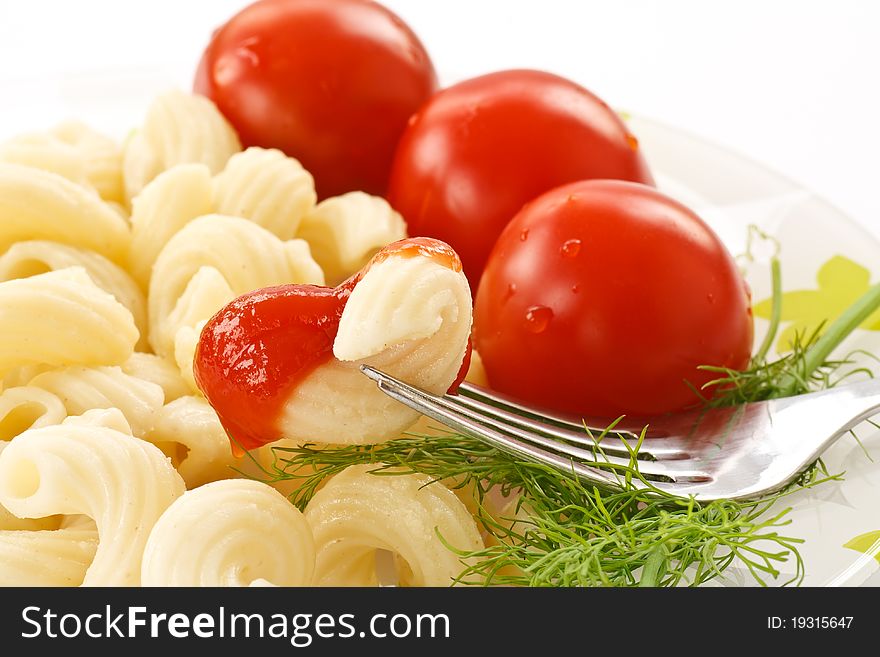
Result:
{"points": [[792, 84]]}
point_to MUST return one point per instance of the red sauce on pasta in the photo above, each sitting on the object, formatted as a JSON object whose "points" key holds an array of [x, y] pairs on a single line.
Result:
{"points": [[254, 352], [412, 247]]}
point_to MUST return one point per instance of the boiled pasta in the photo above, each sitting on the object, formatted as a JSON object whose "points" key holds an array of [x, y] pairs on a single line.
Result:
{"points": [[49, 557], [158, 370], [41, 205], [9, 521], [74, 151], [267, 187], [345, 231], [188, 430], [246, 256], [32, 257], [28, 407], [85, 388], [206, 291], [357, 513], [112, 260], [62, 318], [408, 316], [167, 204], [87, 465], [230, 533], [178, 128]]}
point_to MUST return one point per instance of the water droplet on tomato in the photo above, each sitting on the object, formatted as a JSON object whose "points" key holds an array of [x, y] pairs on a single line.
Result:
{"points": [[570, 248], [710, 297], [538, 319], [575, 288], [631, 141], [523, 236], [511, 290]]}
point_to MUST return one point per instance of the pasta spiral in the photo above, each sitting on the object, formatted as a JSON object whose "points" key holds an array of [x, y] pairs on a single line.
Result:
{"points": [[245, 255], [85, 388], [345, 231], [357, 513], [408, 316], [173, 199], [23, 408], [36, 204], [58, 557], [178, 128], [25, 259], [230, 533], [188, 430], [267, 187], [84, 466], [158, 370], [73, 151], [28, 407], [62, 318]]}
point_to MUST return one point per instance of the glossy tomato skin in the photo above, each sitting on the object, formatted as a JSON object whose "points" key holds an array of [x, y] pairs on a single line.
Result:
{"points": [[479, 150], [329, 82], [603, 298]]}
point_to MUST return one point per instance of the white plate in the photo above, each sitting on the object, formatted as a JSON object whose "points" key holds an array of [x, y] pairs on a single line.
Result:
{"points": [[731, 192]]}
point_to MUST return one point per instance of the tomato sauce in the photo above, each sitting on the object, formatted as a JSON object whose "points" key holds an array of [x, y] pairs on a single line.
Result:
{"points": [[253, 354]]}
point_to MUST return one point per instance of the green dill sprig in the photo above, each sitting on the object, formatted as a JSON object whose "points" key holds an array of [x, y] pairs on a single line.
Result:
{"points": [[806, 367]]}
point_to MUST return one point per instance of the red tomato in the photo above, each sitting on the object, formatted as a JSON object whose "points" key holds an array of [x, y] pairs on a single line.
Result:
{"points": [[481, 149], [603, 297], [330, 82]]}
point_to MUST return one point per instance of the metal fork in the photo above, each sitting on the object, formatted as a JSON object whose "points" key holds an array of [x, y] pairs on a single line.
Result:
{"points": [[734, 453]]}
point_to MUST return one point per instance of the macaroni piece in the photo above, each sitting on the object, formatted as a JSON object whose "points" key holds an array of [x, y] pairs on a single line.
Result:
{"points": [[158, 370], [408, 316], [267, 187], [87, 465], [41, 205], [345, 231], [189, 431], [73, 151], [169, 202], [62, 318], [102, 426], [205, 293], [25, 259], [179, 128], [246, 256], [84, 388], [230, 533], [59, 557], [28, 407], [357, 513]]}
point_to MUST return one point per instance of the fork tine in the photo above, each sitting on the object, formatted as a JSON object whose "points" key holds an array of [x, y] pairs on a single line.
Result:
{"points": [[628, 424], [545, 436], [448, 410], [612, 442], [557, 440], [427, 405]]}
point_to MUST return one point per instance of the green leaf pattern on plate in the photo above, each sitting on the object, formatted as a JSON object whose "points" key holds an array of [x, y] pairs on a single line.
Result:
{"points": [[864, 542], [840, 282]]}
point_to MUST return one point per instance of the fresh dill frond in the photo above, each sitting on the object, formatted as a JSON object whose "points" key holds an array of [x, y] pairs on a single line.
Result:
{"points": [[806, 367]]}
